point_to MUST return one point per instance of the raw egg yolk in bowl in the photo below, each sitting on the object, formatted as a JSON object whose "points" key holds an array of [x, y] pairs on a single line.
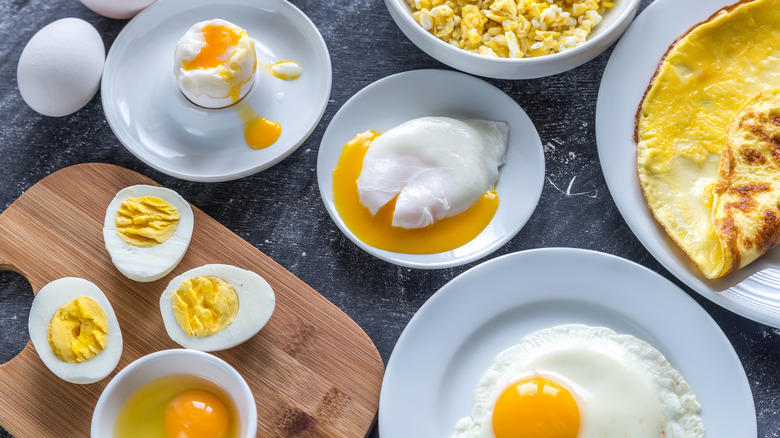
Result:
{"points": [[178, 406]]}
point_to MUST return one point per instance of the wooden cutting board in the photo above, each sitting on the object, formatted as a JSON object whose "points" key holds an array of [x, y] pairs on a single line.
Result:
{"points": [[313, 371]]}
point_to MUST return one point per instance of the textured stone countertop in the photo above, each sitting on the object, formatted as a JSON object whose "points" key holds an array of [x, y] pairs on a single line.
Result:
{"points": [[280, 212]]}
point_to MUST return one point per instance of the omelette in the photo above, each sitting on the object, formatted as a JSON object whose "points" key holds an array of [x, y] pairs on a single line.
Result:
{"points": [[708, 138]]}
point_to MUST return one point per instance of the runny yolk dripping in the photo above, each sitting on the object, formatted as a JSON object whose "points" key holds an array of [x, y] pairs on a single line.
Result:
{"points": [[217, 40], [378, 231]]}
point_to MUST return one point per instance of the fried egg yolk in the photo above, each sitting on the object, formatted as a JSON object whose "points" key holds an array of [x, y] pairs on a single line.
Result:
{"points": [[78, 331], [146, 221], [205, 305], [536, 408], [196, 414], [377, 230]]}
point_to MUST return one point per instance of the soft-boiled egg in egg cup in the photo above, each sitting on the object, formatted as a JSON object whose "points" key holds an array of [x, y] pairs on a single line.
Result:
{"points": [[578, 381], [425, 186], [75, 331], [216, 307], [147, 231], [215, 63], [167, 392]]}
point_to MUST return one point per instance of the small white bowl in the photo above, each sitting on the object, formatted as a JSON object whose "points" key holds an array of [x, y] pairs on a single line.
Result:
{"points": [[615, 22], [169, 362]]}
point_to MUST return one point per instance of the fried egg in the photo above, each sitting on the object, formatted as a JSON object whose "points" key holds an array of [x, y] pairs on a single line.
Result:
{"points": [[681, 128], [577, 381], [215, 63], [147, 230], [75, 331], [437, 167], [216, 307]]}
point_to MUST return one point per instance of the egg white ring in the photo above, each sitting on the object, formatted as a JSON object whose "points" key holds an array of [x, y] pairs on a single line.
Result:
{"points": [[46, 303], [153, 263], [256, 302]]}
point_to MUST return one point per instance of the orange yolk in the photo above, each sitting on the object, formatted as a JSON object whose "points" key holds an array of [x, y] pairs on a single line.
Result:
{"points": [[536, 408], [378, 231], [196, 414], [258, 132], [216, 42]]}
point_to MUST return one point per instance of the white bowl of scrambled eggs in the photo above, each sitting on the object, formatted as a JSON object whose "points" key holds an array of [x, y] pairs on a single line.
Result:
{"points": [[513, 39]]}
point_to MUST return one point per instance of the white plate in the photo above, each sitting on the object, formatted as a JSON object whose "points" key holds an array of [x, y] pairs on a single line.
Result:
{"points": [[409, 95], [752, 291], [152, 118], [454, 337]]}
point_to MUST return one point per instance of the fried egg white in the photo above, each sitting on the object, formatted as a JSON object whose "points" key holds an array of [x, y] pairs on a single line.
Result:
{"points": [[153, 253], [437, 167], [216, 321], [682, 123], [80, 328], [577, 381]]}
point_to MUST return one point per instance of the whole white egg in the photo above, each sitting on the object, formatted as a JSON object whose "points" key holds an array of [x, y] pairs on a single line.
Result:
{"points": [[579, 381], [59, 69], [158, 259], [46, 303], [255, 301], [120, 9]]}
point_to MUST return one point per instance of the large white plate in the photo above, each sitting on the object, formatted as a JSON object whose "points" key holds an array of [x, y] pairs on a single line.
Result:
{"points": [[454, 337], [405, 96], [752, 291], [151, 117]]}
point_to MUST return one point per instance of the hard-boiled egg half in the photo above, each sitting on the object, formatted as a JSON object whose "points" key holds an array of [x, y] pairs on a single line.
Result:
{"points": [[215, 63], [423, 187], [147, 231], [578, 381], [75, 331], [216, 307]]}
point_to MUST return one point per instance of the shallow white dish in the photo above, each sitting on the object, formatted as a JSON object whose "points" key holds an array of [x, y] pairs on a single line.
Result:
{"points": [[614, 23], [447, 346], [405, 96], [751, 291], [154, 120]]}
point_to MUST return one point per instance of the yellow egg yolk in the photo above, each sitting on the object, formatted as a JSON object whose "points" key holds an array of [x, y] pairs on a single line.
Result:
{"points": [[536, 408], [196, 414], [205, 305], [378, 231], [78, 331], [258, 132], [217, 40], [146, 221]]}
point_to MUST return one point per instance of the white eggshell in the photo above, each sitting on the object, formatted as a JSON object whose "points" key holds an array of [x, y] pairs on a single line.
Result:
{"points": [[256, 302], [119, 9], [60, 67], [153, 263], [46, 303]]}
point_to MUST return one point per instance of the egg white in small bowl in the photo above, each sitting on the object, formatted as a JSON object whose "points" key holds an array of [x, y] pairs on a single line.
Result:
{"points": [[432, 97]]}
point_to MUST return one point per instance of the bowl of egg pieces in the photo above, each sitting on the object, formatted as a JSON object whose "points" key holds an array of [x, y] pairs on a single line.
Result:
{"points": [[513, 39], [213, 307]]}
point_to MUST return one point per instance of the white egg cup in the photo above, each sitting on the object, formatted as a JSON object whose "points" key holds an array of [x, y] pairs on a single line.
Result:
{"points": [[168, 362]]}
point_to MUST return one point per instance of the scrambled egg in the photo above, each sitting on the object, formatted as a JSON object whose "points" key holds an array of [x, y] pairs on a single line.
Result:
{"points": [[510, 28], [682, 126], [78, 330]]}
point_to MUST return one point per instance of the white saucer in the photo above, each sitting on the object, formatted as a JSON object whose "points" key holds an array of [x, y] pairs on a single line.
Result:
{"points": [[455, 336], [409, 95], [151, 117]]}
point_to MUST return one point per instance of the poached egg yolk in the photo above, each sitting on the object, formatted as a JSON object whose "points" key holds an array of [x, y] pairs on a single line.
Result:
{"points": [[536, 408], [196, 414], [378, 231]]}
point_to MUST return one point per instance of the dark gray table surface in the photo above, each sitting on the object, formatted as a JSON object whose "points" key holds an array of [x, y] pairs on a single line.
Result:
{"points": [[280, 212]]}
